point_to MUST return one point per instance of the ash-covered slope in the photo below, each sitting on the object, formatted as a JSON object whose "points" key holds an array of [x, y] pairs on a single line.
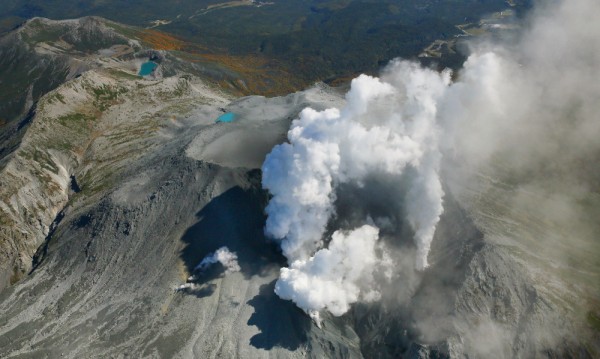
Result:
{"points": [[147, 205], [56, 152]]}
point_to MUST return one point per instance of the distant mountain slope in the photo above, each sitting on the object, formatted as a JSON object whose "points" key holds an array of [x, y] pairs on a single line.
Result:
{"points": [[315, 40], [42, 54]]}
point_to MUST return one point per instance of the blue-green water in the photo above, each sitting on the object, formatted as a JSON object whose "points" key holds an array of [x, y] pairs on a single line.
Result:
{"points": [[226, 117], [147, 68]]}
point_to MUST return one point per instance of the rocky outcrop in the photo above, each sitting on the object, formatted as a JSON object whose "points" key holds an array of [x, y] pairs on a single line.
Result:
{"points": [[37, 179]]}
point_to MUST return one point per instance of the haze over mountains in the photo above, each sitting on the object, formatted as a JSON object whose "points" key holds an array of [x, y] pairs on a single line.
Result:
{"points": [[412, 212]]}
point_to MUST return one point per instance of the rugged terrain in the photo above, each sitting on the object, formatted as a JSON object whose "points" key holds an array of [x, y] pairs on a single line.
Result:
{"points": [[109, 147], [43, 54], [116, 186], [162, 212]]}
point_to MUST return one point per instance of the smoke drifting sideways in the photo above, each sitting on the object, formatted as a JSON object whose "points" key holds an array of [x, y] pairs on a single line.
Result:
{"points": [[530, 102], [222, 256]]}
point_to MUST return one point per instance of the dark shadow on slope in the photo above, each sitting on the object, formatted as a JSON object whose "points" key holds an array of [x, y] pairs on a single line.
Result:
{"points": [[234, 219], [42, 251], [392, 329], [203, 281], [203, 291], [280, 322]]}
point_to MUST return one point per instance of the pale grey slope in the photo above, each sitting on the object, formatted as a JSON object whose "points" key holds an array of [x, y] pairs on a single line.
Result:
{"points": [[260, 124], [104, 285]]}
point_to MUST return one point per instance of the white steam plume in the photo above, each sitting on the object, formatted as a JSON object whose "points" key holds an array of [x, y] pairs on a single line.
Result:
{"points": [[531, 106], [386, 127], [336, 276], [222, 255]]}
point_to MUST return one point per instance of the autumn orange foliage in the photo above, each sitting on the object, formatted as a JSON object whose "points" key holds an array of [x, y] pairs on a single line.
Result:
{"points": [[255, 74], [160, 40], [248, 74]]}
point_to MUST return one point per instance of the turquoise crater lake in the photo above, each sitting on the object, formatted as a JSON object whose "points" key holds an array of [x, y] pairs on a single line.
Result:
{"points": [[147, 68], [226, 117]]}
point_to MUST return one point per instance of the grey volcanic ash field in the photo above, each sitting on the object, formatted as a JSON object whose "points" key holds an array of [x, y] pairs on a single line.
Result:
{"points": [[417, 214]]}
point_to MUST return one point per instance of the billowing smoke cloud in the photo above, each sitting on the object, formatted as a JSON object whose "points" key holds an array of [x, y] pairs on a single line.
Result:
{"points": [[531, 103], [336, 276], [386, 127], [526, 107]]}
